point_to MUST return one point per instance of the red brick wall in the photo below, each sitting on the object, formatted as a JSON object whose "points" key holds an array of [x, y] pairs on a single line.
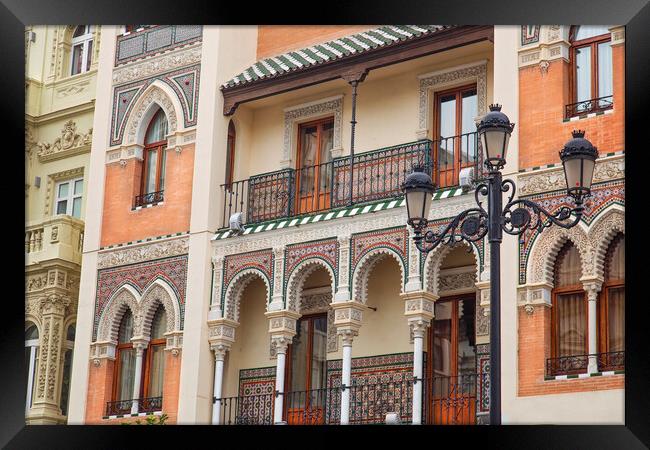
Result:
{"points": [[535, 347], [542, 98], [276, 39], [120, 224]]}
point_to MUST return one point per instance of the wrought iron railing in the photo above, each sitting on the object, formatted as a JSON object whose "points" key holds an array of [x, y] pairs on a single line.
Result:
{"points": [[376, 175], [453, 400], [611, 361], [588, 106], [576, 364], [313, 407], [369, 403], [256, 409], [145, 405], [148, 198]]}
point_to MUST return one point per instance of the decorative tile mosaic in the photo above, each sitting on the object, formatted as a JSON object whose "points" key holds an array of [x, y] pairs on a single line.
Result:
{"points": [[257, 389], [185, 82], [261, 260], [173, 270], [529, 34], [483, 370], [602, 196], [326, 250], [395, 239], [153, 40]]}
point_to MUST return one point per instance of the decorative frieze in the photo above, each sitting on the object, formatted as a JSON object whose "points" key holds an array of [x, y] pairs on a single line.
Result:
{"points": [[69, 143], [454, 281], [158, 64], [143, 252]]}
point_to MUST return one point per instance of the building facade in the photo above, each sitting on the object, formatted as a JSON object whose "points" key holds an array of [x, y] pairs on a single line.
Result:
{"points": [[240, 266], [60, 85]]}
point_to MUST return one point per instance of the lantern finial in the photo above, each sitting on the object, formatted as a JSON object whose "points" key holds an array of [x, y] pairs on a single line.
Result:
{"points": [[578, 133], [495, 107]]}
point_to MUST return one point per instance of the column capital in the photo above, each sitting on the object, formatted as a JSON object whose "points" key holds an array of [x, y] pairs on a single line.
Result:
{"points": [[419, 305], [220, 349], [281, 342], [419, 326], [140, 343], [592, 287], [347, 335]]}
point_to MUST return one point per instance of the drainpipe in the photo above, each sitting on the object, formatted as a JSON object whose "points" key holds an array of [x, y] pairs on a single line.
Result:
{"points": [[354, 78]]}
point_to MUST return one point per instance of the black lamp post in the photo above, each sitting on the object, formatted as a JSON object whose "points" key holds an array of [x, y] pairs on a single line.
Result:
{"points": [[578, 158]]}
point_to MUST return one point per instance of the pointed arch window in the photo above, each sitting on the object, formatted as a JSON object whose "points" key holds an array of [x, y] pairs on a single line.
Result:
{"points": [[612, 307], [124, 365], [230, 153], [591, 70], [154, 159], [568, 314], [82, 49], [155, 358], [31, 362]]}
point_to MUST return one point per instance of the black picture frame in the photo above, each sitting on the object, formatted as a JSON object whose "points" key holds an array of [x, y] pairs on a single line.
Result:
{"points": [[635, 14]]}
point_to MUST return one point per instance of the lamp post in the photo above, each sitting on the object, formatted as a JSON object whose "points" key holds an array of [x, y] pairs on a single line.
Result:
{"points": [[518, 215]]}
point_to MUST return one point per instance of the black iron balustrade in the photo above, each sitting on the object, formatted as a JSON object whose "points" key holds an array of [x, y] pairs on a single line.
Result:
{"points": [[370, 402], [123, 407], [377, 175], [255, 409], [611, 361], [589, 106], [148, 198], [567, 365]]}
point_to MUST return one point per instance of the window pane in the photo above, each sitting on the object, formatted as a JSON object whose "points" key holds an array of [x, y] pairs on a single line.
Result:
{"points": [[327, 142], [583, 74], [308, 149], [126, 328], [447, 129], [62, 207], [587, 31], [77, 57], [568, 268], [319, 353], [89, 55], [150, 175], [604, 73], [469, 112], [63, 190], [79, 31], [571, 324], [159, 323], [616, 260], [156, 371], [157, 129], [31, 333], [76, 207], [442, 358], [299, 362], [127, 374], [65, 384], [616, 319], [78, 187], [466, 337], [163, 155]]}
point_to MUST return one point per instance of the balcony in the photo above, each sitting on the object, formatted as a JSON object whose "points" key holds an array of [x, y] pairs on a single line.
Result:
{"points": [[151, 198], [448, 400], [57, 237], [585, 107], [376, 175], [142, 405], [578, 364]]}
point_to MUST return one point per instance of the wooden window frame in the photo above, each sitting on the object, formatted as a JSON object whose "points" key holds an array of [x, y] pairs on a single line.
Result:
{"points": [[116, 370], [591, 42], [147, 360], [231, 142], [288, 373], [160, 147], [458, 91], [603, 297], [316, 182]]}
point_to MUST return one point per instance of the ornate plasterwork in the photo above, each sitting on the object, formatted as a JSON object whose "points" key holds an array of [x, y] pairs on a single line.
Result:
{"points": [[70, 142], [297, 280], [433, 263], [364, 268], [143, 252], [158, 64], [548, 245], [436, 81], [235, 289], [305, 112], [453, 281], [154, 95], [611, 168]]}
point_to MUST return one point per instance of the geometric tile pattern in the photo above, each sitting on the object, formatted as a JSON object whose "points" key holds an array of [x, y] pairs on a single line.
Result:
{"points": [[260, 259], [326, 250], [483, 371], [602, 196], [393, 238], [185, 83], [139, 276], [259, 385], [156, 39], [529, 34]]}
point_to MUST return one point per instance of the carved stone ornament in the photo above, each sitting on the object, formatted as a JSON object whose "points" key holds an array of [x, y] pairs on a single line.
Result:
{"points": [[158, 64], [153, 95], [529, 309], [68, 140], [140, 253], [456, 281]]}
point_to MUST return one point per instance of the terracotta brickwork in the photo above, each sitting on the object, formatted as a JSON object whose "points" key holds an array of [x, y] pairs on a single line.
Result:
{"points": [[120, 223], [535, 347], [543, 96], [171, 382], [276, 39]]}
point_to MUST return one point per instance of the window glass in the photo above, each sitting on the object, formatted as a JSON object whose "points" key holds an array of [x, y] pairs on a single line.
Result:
{"points": [[159, 323], [70, 333], [79, 31], [605, 77], [89, 54], [62, 207], [78, 187], [126, 376], [447, 129], [126, 328], [230, 151], [469, 112], [150, 179], [161, 183], [616, 319], [31, 333], [76, 207], [319, 353], [63, 190], [157, 129], [571, 324], [589, 31], [616, 260], [156, 371], [65, 382], [567, 269], [583, 74], [299, 359]]}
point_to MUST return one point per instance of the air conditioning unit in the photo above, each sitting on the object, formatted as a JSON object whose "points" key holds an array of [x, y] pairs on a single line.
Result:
{"points": [[466, 178], [237, 223]]}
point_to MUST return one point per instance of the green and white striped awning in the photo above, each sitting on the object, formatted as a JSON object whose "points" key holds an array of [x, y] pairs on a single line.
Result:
{"points": [[331, 50], [349, 211]]}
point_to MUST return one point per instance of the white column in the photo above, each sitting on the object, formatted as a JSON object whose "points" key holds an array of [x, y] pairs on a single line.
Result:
{"points": [[418, 327], [139, 352], [592, 325], [281, 344], [346, 374], [219, 357]]}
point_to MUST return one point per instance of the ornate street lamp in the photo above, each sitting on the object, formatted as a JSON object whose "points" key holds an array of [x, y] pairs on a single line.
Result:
{"points": [[518, 215]]}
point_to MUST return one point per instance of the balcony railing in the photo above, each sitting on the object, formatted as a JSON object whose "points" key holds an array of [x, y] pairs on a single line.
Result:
{"points": [[55, 237], [376, 175], [577, 364], [588, 106], [148, 198], [445, 400], [145, 405]]}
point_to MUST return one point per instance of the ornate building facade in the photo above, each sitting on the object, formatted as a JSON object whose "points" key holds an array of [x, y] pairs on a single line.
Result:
{"points": [[240, 266], [60, 84]]}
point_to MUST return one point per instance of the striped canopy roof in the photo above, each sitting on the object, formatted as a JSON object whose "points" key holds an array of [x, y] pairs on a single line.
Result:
{"points": [[330, 51]]}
